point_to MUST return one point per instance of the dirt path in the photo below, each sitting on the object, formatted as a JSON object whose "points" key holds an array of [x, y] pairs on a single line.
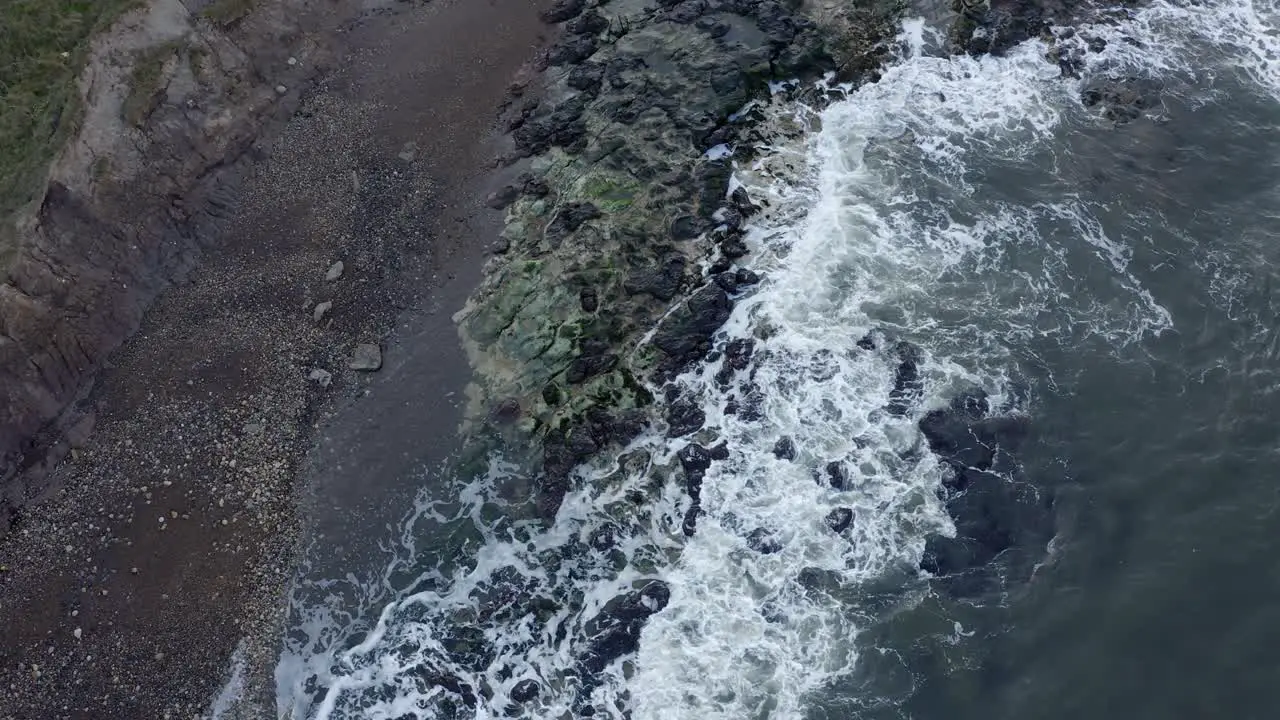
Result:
{"points": [[173, 526]]}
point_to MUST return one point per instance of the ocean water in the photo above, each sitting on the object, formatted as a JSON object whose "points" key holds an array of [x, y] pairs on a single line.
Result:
{"points": [[1106, 283]]}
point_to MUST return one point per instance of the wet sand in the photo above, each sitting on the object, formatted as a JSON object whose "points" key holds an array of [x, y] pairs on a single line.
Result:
{"points": [[173, 528]]}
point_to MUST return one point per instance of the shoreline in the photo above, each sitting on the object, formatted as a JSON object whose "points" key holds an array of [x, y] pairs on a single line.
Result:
{"points": [[178, 506]]}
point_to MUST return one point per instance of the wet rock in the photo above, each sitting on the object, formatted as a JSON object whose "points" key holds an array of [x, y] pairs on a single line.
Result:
{"points": [[996, 26], [868, 342], [745, 277], [907, 384], [837, 475], [563, 10], [616, 631], [762, 541], [694, 461], [321, 309], [449, 682], [687, 11], [662, 281], [502, 198], [595, 359], [684, 335], [785, 448], [839, 519], [588, 299], [963, 437], [572, 49], [366, 357], [684, 417], [525, 690], [686, 227], [569, 218], [741, 202], [505, 411], [586, 77], [732, 245], [689, 525], [604, 537], [992, 516], [588, 23], [1121, 100]]}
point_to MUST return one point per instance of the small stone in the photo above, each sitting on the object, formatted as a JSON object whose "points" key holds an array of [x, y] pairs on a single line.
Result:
{"points": [[366, 357], [334, 272], [253, 428], [78, 633], [409, 152], [322, 377], [321, 309], [281, 89], [292, 61]]}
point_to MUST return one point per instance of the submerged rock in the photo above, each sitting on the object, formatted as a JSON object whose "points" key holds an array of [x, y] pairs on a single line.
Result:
{"points": [[762, 541], [839, 519], [616, 631], [907, 384]]}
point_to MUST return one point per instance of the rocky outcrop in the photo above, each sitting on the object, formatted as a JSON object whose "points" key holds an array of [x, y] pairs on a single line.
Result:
{"points": [[175, 104], [607, 234], [995, 512]]}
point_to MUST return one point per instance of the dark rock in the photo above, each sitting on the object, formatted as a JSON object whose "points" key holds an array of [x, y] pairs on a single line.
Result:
{"points": [[534, 187], [992, 516], [1121, 100], [500, 199], [745, 277], [451, 683], [588, 366], [731, 218], [616, 631], [569, 218], [907, 384], [963, 437], [712, 178], [525, 690], [604, 537], [839, 519], [689, 526], [572, 49], [684, 334], [867, 342], [733, 246], [741, 202], [837, 476], [616, 71], [588, 23], [505, 411], [762, 541], [720, 452], [694, 460], [785, 448], [687, 11], [588, 299], [563, 10], [683, 417], [586, 77], [662, 281], [996, 26], [687, 227]]}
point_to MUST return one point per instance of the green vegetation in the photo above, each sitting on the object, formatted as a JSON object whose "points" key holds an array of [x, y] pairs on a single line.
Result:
{"points": [[610, 194], [43, 44], [144, 82], [227, 12]]}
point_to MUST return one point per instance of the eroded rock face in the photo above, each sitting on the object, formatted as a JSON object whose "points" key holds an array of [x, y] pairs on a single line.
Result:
{"points": [[136, 196]]}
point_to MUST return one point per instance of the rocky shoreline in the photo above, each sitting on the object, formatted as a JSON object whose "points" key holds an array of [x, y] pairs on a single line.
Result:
{"points": [[619, 261]]}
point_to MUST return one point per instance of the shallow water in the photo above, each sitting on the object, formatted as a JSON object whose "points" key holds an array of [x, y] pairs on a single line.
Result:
{"points": [[1110, 282]]}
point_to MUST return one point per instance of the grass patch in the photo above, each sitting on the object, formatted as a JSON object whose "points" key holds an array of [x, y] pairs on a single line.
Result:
{"points": [[610, 194], [144, 82], [227, 12], [43, 45]]}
